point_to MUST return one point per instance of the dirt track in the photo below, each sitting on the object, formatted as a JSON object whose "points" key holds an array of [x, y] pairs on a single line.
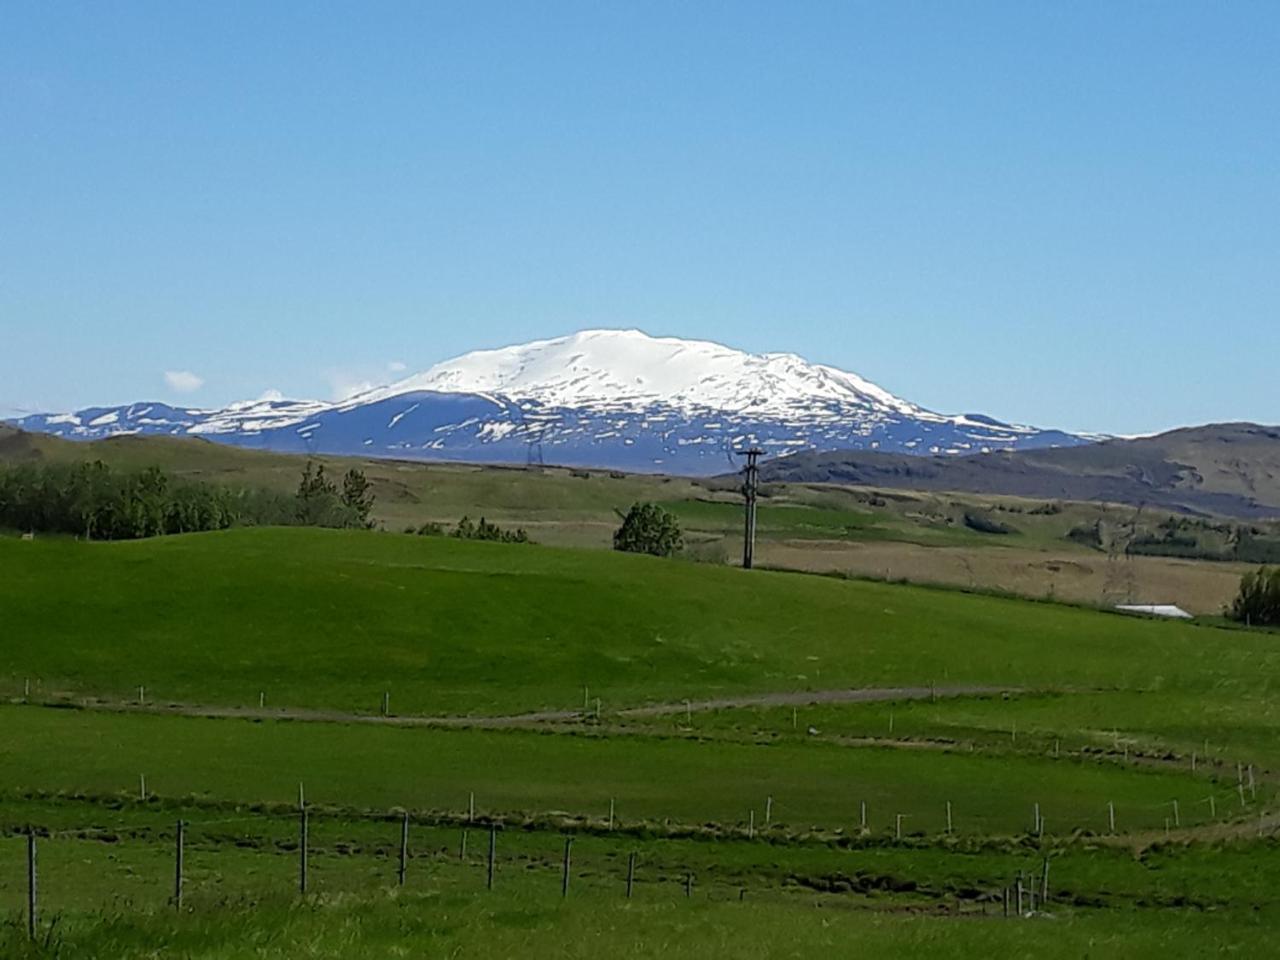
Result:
{"points": [[861, 695]]}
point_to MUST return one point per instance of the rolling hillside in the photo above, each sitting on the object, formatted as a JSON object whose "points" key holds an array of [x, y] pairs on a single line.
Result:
{"points": [[1222, 469]]}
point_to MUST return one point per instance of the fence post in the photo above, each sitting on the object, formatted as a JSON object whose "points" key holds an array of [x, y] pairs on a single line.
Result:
{"points": [[611, 813], [32, 907], [1177, 818], [631, 873], [462, 845], [564, 878], [493, 855], [303, 832], [404, 847], [948, 816], [177, 866], [1111, 815], [864, 816], [768, 810], [1044, 884], [688, 885]]}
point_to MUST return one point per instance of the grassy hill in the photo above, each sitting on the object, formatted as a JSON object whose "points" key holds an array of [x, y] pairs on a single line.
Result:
{"points": [[870, 532], [332, 619]]}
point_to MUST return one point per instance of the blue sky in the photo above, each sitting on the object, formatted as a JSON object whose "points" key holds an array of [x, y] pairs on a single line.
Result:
{"points": [[1061, 213]]}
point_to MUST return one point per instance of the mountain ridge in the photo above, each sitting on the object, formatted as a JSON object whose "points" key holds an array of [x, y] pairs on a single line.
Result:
{"points": [[1230, 469], [599, 398]]}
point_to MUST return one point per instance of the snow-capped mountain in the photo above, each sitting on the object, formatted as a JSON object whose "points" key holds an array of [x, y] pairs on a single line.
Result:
{"points": [[602, 398]]}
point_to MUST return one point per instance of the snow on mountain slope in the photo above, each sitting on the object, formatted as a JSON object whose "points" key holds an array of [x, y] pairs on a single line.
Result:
{"points": [[628, 368], [604, 398]]}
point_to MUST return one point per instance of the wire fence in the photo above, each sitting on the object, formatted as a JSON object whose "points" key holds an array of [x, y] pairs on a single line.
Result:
{"points": [[240, 857]]}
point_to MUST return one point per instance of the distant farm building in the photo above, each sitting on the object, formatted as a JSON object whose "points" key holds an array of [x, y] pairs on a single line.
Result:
{"points": [[1155, 610]]}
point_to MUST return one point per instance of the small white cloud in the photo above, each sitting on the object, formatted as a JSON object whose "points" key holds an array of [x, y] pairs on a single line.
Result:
{"points": [[345, 385], [397, 366], [183, 381], [272, 394]]}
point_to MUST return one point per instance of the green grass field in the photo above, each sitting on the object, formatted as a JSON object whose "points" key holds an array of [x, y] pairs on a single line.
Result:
{"points": [[333, 619], [762, 802]]}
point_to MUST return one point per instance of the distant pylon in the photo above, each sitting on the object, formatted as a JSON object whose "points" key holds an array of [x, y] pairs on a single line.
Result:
{"points": [[533, 456]]}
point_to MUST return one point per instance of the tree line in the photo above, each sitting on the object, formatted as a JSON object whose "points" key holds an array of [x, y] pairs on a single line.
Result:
{"points": [[1258, 602], [96, 502]]}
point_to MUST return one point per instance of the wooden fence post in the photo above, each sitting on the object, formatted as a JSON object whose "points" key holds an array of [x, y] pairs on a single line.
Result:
{"points": [[462, 845], [564, 877], [768, 810], [1111, 815], [303, 837], [493, 855], [1044, 884], [177, 866], [32, 895], [631, 873], [948, 816], [404, 848], [688, 885]]}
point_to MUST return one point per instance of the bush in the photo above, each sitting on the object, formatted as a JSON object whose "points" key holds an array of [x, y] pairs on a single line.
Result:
{"points": [[484, 530], [984, 524], [1258, 602], [1087, 534], [647, 528]]}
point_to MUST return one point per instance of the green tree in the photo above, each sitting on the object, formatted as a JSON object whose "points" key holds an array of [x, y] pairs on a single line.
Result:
{"points": [[317, 501], [357, 496], [1258, 602], [647, 528]]}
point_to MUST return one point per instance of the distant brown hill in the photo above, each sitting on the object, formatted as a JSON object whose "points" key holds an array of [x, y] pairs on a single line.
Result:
{"points": [[1228, 469]]}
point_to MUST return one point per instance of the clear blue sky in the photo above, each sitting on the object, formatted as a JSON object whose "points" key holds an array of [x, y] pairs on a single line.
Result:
{"points": [[1062, 213]]}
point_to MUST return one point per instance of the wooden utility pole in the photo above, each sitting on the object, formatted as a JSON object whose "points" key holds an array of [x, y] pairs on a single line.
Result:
{"points": [[750, 487]]}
